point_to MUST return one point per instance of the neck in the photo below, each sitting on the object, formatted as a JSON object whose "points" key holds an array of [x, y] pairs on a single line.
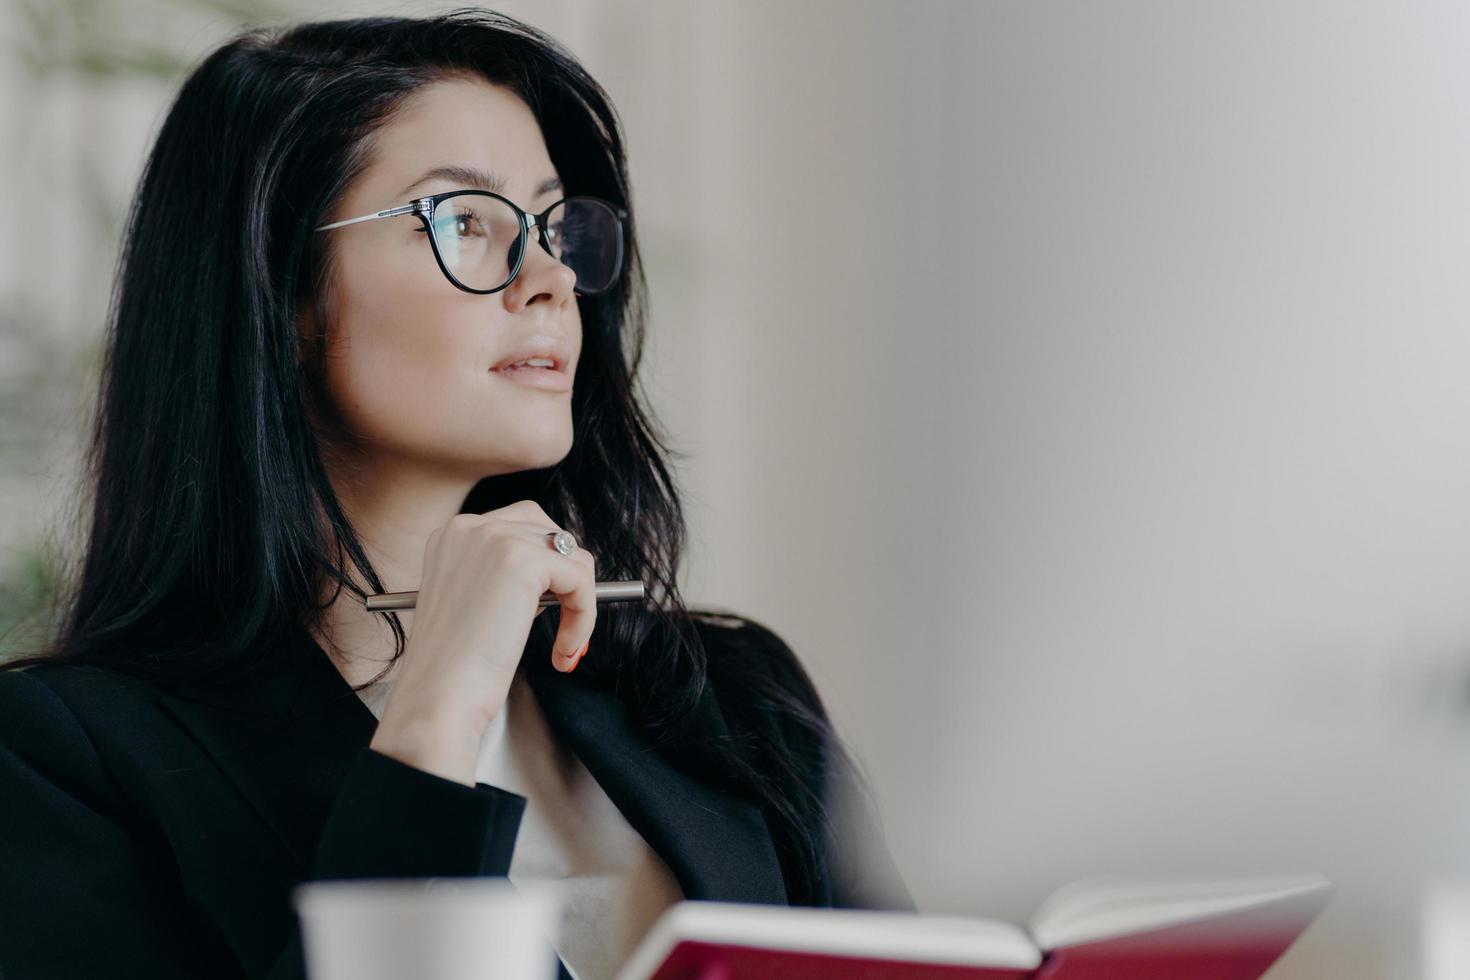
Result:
{"points": [[393, 514]]}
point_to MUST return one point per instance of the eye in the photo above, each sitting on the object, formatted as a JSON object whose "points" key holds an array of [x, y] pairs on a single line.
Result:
{"points": [[460, 221]]}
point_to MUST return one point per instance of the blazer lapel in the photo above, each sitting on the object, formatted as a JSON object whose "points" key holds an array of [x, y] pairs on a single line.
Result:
{"points": [[287, 738], [717, 845]]}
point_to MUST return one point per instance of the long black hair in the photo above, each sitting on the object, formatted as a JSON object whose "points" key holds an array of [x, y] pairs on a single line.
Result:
{"points": [[213, 527]]}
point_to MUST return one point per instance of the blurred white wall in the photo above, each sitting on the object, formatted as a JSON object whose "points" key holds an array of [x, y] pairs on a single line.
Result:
{"points": [[1080, 388]]}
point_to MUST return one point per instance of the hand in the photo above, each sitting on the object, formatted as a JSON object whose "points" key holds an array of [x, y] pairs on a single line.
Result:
{"points": [[483, 578]]}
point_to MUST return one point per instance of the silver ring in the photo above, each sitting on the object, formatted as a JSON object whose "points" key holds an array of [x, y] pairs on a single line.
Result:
{"points": [[562, 541]]}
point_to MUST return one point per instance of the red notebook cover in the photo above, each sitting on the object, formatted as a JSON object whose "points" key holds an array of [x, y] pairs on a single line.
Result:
{"points": [[1180, 953], [1187, 936], [1240, 946]]}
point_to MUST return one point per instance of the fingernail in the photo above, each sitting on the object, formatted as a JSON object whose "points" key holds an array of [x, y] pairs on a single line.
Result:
{"points": [[569, 660], [580, 653]]}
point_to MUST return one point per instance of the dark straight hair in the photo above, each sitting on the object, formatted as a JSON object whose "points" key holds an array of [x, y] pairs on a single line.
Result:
{"points": [[214, 531]]}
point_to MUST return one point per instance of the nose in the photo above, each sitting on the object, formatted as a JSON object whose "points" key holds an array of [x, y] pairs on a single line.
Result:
{"points": [[542, 277]]}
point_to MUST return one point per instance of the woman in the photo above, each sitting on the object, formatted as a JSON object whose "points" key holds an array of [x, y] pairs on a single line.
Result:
{"points": [[376, 329]]}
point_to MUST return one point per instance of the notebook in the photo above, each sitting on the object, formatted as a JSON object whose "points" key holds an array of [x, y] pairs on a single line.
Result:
{"points": [[1105, 928]]}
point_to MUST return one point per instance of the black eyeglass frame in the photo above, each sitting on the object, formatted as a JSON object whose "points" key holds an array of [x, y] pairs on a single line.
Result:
{"points": [[424, 207]]}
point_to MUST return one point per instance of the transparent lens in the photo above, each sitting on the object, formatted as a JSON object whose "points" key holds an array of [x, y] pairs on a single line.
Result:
{"points": [[585, 234], [479, 240], [476, 235]]}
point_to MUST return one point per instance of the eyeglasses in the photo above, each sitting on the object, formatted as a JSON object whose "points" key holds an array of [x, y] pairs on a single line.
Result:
{"points": [[479, 237]]}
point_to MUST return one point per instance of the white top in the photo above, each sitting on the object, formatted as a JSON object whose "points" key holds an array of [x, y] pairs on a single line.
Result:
{"points": [[573, 840]]}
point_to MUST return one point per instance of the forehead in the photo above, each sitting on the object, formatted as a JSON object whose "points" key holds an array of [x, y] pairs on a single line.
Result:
{"points": [[459, 122]]}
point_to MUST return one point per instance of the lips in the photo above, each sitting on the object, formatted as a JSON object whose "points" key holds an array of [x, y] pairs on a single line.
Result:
{"points": [[515, 363], [536, 377], [530, 364], [545, 349]]}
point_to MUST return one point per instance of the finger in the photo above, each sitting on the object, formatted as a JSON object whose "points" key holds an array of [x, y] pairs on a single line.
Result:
{"points": [[543, 529], [540, 534], [526, 511], [571, 579]]}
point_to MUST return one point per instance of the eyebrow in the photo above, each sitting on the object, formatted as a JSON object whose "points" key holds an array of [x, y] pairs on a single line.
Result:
{"points": [[485, 180]]}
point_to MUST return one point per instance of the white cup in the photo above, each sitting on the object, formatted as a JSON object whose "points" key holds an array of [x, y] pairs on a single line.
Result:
{"points": [[426, 929]]}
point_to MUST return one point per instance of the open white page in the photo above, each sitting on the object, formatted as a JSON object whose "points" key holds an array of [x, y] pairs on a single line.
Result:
{"points": [[1105, 907], [871, 933]]}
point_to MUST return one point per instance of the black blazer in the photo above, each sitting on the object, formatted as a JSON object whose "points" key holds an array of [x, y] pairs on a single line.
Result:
{"points": [[152, 833]]}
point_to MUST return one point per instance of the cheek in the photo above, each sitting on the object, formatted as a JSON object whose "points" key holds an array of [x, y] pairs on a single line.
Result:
{"points": [[404, 350]]}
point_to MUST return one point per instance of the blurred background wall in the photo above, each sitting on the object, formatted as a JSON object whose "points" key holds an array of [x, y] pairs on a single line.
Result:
{"points": [[1080, 388]]}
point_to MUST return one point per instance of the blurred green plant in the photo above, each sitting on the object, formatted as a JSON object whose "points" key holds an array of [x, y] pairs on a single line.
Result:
{"points": [[103, 40], [28, 594]]}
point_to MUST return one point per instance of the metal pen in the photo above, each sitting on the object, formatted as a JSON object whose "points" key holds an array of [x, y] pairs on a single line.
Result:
{"points": [[629, 591]]}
